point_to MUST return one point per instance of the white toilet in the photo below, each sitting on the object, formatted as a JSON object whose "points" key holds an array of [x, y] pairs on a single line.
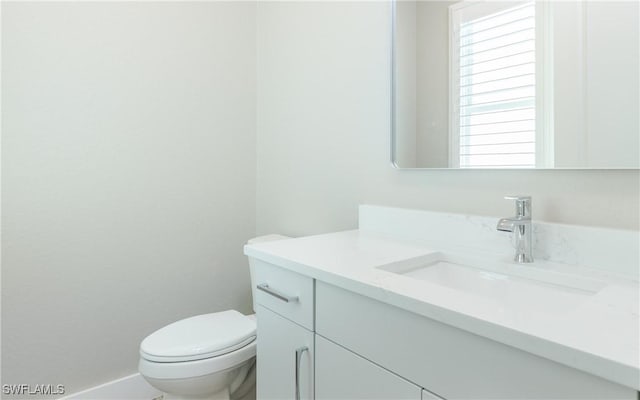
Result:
{"points": [[210, 356]]}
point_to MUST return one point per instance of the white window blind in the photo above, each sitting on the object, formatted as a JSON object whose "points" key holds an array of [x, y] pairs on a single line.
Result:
{"points": [[494, 85]]}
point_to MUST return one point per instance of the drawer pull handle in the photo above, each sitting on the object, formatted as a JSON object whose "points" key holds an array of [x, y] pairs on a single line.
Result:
{"points": [[287, 299], [299, 353]]}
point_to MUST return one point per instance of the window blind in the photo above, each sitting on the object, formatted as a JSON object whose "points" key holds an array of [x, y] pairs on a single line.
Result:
{"points": [[497, 87]]}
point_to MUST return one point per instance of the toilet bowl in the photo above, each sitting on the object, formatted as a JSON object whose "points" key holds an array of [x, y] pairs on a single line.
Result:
{"points": [[205, 357]]}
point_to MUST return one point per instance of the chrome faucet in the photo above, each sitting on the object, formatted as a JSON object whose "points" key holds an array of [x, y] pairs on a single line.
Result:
{"points": [[520, 225]]}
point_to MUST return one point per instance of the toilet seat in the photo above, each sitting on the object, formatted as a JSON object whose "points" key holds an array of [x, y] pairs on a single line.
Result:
{"points": [[191, 369], [199, 338]]}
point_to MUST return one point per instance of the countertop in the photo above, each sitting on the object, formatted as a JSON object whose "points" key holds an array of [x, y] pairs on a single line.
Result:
{"points": [[599, 334]]}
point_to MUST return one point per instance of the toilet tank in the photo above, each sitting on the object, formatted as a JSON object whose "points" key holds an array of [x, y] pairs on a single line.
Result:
{"points": [[260, 239]]}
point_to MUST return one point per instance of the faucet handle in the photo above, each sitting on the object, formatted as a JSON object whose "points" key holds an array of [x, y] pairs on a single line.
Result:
{"points": [[523, 205], [518, 198]]}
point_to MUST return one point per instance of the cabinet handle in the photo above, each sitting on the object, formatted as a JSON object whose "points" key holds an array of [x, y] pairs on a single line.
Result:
{"points": [[299, 353], [265, 288]]}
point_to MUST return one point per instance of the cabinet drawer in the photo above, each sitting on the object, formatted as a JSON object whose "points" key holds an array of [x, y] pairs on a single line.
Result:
{"points": [[448, 361], [284, 292]]}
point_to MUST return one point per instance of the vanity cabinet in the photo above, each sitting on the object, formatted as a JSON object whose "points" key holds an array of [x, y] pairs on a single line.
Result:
{"points": [[316, 340]]}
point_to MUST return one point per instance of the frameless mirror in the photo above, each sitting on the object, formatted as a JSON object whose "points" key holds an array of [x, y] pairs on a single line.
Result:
{"points": [[512, 84]]}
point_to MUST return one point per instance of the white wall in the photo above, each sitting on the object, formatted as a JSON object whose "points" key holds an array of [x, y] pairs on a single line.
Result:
{"points": [[613, 82], [405, 76], [128, 172], [422, 84], [597, 83], [433, 83], [323, 136]]}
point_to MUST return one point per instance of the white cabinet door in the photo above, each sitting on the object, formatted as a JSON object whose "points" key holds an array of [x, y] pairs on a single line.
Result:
{"points": [[341, 374], [285, 355]]}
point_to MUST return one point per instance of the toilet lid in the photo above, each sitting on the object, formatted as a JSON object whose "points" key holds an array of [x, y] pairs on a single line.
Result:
{"points": [[199, 337]]}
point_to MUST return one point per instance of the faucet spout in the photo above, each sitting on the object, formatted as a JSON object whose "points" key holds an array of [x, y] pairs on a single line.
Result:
{"points": [[510, 224]]}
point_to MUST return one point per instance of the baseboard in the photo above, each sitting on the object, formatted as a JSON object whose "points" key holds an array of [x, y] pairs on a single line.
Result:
{"points": [[132, 387]]}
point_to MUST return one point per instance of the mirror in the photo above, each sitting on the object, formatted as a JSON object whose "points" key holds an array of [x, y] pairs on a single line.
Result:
{"points": [[512, 84]]}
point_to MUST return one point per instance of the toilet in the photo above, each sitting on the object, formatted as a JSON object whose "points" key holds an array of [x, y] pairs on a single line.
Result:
{"points": [[205, 357]]}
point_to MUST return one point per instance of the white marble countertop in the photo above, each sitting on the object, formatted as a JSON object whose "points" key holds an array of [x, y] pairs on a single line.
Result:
{"points": [[599, 334]]}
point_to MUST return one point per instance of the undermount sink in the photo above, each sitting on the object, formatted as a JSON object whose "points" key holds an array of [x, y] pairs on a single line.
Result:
{"points": [[499, 281]]}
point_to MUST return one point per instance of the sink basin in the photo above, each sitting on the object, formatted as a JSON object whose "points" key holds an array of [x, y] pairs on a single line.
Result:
{"points": [[515, 284]]}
